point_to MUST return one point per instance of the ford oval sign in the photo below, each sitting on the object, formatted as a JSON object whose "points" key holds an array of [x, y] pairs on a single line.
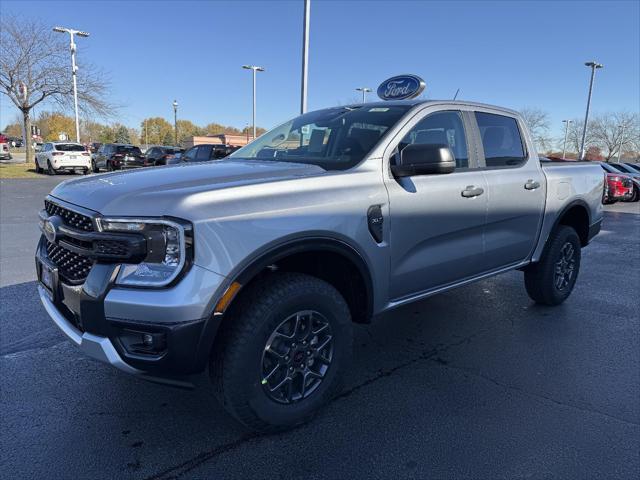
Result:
{"points": [[401, 87]]}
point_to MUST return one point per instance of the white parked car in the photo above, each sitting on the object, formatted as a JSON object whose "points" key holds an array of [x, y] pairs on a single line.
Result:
{"points": [[55, 157]]}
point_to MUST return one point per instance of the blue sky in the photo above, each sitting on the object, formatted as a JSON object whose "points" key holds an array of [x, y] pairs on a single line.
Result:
{"points": [[513, 54]]}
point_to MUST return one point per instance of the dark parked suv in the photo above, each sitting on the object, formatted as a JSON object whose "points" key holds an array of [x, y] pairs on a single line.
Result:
{"points": [[204, 153], [118, 156], [163, 155]]}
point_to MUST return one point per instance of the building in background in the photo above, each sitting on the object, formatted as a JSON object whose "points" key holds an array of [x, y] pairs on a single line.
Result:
{"points": [[221, 139]]}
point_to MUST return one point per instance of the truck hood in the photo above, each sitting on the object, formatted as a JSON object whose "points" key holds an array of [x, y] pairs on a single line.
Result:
{"points": [[154, 191]]}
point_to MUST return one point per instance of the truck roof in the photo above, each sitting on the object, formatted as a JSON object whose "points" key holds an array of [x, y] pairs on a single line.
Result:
{"points": [[414, 102]]}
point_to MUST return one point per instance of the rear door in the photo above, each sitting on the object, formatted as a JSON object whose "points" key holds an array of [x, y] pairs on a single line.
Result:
{"points": [[436, 230], [516, 189]]}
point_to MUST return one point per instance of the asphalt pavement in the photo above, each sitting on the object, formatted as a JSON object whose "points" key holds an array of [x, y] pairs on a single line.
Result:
{"points": [[478, 382]]}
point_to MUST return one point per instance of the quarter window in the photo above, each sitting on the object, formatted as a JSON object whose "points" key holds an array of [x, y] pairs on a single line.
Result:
{"points": [[441, 128], [501, 140]]}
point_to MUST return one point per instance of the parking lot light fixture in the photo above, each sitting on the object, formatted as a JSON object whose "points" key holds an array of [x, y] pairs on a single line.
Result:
{"points": [[621, 127], [254, 69], [74, 69], [364, 91], [593, 66], [175, 122], [566, 131]]}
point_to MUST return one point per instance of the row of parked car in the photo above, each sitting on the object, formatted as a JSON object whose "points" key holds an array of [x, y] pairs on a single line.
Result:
{"points": [[59, 157], [623, 182]]}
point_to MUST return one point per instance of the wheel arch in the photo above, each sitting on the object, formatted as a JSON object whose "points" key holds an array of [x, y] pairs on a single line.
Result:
{"points": [[332, 259], [576, 215]]}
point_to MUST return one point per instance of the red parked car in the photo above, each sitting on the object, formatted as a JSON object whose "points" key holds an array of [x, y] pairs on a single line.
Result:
{"points": [[619, 188]]}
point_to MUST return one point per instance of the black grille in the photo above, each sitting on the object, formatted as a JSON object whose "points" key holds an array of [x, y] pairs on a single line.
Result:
{"points": [[72, 267], [111, 247], [69, 217]]}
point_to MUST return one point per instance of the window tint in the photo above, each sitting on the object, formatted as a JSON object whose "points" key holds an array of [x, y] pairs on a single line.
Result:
{"points": [[500, 139], [128, 150], [334, 138], [69, 147], [441, 128], [204, 153]]}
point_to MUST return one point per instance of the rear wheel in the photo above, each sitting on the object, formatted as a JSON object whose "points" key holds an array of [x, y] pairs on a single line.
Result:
{"points": [[282, 352], [110, 166], [94, 167], [551, 280], [50, 169]]}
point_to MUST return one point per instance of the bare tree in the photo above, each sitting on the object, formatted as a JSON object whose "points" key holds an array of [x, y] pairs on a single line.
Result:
{"points": [[538, 122], [34, 67], [574, 136], [611, 131]]}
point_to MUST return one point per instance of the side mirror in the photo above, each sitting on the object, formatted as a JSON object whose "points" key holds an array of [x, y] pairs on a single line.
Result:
{"points": [[421, 159]]}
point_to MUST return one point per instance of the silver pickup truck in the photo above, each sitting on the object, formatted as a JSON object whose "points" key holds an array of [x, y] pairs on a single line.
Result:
{"points": [[254, 268]]}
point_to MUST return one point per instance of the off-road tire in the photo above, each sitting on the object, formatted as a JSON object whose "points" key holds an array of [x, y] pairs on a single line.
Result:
{"points": [[237, 354], [539, 278]]}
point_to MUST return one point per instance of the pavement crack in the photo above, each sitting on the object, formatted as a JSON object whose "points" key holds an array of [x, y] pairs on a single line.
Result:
{"points": [[183, 468], [537, 396], [424, 355]]}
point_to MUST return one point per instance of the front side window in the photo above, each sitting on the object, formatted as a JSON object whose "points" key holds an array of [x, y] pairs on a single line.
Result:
{"points": [[441, 128], [501, 140], [334, 138]]}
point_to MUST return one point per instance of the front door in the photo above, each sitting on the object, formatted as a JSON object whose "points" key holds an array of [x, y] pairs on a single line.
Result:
{"points": [[437, 221]]}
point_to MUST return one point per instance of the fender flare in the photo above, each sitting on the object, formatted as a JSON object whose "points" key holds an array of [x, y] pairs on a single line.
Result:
{"points": [[248, 269]]}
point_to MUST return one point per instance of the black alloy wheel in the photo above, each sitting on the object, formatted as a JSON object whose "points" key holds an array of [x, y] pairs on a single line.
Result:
{"points": [[565, 266], [296, 357]]}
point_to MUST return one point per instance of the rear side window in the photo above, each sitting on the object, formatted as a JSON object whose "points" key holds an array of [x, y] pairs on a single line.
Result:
{"points": [[501, 140]]}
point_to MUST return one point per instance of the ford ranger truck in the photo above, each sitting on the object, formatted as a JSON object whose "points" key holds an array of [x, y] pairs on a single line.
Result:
{"points": [[254, 268]]}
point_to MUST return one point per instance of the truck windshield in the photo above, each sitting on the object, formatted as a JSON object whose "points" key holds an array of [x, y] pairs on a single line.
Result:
{"points": [[334, 138]]}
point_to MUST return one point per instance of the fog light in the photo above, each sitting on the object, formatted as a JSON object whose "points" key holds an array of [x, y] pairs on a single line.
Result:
{"points": [[147, 339]]}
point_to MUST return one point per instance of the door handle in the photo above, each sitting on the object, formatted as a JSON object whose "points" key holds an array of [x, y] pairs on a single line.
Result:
{"points": [[472, 191], [531, 185]]}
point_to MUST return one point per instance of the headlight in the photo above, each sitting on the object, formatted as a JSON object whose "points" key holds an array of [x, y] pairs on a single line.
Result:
{"points": [[168, 246]]}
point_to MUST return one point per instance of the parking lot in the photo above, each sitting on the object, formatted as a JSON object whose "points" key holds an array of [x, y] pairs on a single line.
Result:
{"points": [[477, 382]]}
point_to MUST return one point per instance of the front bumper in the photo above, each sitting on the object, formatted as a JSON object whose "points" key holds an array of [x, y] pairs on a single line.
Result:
{"points": [[92, 345], [108, 322]]}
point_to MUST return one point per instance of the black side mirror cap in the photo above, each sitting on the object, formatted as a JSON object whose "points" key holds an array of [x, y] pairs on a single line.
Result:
{"points": [[421, 159]]}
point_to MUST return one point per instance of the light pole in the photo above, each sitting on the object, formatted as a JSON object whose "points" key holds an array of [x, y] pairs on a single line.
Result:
{"points": [[594, 66], [364, 91], [175, 121], [566, 131], [255, 69], [74, 69], [621, 127], [305, 55]]}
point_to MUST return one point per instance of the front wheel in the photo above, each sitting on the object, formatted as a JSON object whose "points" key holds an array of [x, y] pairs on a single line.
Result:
{"points": [[551, 280], [282, 351]]}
